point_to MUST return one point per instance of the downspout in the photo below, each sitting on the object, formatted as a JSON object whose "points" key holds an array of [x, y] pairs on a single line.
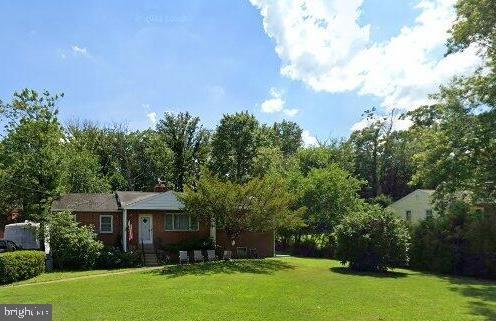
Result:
{"points": [[124, 230]]}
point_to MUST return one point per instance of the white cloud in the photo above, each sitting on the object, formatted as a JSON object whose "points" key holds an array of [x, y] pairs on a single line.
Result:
{"points": [[80, 51], [291, 112], [322, 44], [276, 104], [273, 105], [152, 118], [308, 139]]}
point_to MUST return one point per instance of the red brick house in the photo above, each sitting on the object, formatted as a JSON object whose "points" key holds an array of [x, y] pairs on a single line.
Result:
{"points": [[129, 219]]}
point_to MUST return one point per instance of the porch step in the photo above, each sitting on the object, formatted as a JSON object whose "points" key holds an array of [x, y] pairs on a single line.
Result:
{"points": [[151, 259]]}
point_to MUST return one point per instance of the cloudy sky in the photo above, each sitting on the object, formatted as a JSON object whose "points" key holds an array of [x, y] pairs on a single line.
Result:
{"points": [[319, 63]]}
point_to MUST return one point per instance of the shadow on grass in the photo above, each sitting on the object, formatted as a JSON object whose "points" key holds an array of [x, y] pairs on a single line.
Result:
{"points": [[482, 294], [235, 266], [348, 271]]}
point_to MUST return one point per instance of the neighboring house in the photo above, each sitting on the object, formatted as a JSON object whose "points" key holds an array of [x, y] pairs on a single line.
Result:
{"points": [[152, 219], [415, 206]]}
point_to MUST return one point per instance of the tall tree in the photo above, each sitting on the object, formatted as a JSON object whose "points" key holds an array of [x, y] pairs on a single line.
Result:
{"points": [[234, 147], [187, 140], [31, 158], [259, 205], [288, 137]]}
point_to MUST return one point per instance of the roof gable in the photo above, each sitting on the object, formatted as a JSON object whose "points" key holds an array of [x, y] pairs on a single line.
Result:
{"points": [[152, 201]]}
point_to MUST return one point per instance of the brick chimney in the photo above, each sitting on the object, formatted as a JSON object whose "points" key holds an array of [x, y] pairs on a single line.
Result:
{"points": [[160, 187]]}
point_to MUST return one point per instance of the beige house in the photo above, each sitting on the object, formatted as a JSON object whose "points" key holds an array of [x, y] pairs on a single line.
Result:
{"points": [[415, 206]]}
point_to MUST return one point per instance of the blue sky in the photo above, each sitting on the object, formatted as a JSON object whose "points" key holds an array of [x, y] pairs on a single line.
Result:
{"points": [[119, 61]]}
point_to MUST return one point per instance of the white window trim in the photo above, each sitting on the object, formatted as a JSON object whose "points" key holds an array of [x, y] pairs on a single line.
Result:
{"points": [[111, 224], [177, 230]]}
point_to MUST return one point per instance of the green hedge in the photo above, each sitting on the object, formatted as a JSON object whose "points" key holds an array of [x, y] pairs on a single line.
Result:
{"points": [[21, 265]]}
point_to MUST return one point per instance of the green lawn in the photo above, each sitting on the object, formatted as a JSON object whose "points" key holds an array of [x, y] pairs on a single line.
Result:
{"points": [[272, 289]]}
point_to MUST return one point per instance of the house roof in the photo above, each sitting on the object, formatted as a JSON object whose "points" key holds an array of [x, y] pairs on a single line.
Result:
{"points": [[86, 202], [100, 202], [150, 201]]}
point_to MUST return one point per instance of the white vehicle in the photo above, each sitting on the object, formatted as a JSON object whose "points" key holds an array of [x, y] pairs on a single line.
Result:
{"points": [[24, 235]]}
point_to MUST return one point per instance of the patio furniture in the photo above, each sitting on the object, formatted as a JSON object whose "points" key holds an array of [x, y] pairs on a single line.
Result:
{"points": [[211, 255], [252, 253], [198, 256], [183, 257], [241, 252], [227, 255]]}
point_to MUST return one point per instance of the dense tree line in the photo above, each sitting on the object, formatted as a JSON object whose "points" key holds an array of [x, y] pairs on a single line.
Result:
{"points": [[450, 147]]}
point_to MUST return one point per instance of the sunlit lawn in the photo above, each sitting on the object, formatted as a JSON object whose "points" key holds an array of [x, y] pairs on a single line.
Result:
{"points": [[272, 289]]}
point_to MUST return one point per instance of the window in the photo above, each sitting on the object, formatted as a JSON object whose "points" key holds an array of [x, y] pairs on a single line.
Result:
{"points": [[106, 224], [428, 214], [180, 222], [408, 216]]}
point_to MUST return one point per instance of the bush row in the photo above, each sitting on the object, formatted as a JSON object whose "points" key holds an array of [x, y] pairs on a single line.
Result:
{"points": [[21, 265], [462, 241]]}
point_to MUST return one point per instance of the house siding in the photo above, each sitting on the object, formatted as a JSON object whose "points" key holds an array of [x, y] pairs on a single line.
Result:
{"points": [[418, 202], [262, 242], [160, 235], [93, 219]]}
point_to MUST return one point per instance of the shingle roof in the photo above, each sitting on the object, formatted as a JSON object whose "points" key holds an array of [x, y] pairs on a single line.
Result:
{"points": [[150, 201], [86, 202], [126, 198]]}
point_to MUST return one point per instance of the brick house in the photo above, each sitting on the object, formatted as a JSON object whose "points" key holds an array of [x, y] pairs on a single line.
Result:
{"points": [[152, 219]]}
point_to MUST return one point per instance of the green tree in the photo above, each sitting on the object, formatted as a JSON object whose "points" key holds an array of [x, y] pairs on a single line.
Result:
{"points": [[329, 194], [288, 137], [185, 137], [259, 205], [234, 147], [32, 156]]}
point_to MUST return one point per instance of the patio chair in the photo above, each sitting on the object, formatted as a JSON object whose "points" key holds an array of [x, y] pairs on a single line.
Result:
{"points": [[211, 255], [227, 255], [252, 253], [183, 257], [198, 256], [241, 252]]}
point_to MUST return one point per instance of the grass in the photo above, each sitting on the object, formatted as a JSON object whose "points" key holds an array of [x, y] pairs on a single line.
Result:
{"points": [[272, 289]]}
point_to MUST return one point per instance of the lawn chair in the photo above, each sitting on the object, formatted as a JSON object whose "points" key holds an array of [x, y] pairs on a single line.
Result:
{"points": [[211, 255], [227, 255], [183, 257], [198, 256], [252, 253], [241, 252]]}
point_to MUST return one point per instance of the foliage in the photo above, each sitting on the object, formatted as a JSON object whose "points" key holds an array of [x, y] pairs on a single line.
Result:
{"points": [[72, 245], [383, 156], [461, 241], [21, 265], [186, 138], [115, 258], [287, 137], [316, 245], [262, 204], [30, 156], [234, 147], [372, 240], [329, 194]]}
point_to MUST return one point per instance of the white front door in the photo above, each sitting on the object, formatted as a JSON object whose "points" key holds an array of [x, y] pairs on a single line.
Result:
{"points": [[146, 229]]}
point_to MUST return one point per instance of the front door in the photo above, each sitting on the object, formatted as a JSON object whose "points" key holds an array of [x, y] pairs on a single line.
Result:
{"points": [[146, 229]]}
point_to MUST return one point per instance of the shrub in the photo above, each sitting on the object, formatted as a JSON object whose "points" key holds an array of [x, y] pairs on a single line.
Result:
{"points": [[461, 241], [114, 258], [21, 265], [372, 240], [72, 246], [317, 245]]}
